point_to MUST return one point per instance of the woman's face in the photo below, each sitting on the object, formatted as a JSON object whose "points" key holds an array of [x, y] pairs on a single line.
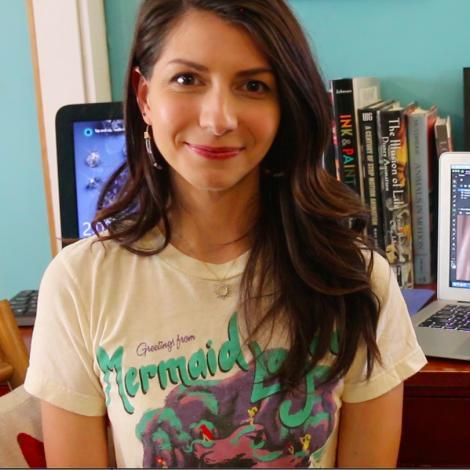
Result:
{"points": [[212, 103]]}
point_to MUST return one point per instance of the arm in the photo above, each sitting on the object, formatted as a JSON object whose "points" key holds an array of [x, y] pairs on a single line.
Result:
{"points": [[73, 440], [369, 432]]}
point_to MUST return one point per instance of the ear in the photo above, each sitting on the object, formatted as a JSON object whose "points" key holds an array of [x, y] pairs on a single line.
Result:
{"points": [[141, 89]]}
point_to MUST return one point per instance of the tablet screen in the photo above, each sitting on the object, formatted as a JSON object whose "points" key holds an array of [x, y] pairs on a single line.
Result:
{"points": [[99, 148]]}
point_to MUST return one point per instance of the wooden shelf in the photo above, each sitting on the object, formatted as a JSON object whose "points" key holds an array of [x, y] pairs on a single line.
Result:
{"points": [[436, 416]]}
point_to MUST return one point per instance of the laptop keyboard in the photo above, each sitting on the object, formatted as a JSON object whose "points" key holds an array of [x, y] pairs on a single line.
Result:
{"points": [[450, 317], [24, 305]]}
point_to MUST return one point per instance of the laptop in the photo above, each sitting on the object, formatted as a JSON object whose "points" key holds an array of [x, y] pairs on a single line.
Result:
{"points": [[443, 327]]}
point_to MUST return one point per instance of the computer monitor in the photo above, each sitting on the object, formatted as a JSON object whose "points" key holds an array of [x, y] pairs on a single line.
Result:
{"points": [[90, 147]]}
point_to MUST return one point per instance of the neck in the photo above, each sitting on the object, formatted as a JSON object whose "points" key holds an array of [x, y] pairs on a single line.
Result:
{"points": [[214, 226]]}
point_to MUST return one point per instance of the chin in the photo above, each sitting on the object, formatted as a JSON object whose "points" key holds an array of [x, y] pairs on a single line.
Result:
{"points": [[211, 180], [220, 179], [213, 184]]}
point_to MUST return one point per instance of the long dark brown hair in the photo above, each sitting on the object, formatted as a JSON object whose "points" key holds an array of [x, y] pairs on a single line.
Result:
{"points": [[309, 255]]}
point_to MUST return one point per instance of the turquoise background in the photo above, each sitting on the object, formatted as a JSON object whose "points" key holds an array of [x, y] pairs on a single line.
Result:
{"points": [[24, 229], [416, 47], [120, 18]]}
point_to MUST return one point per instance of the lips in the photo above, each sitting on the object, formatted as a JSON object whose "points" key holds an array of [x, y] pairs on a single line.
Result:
{"points": [[215, 153]]}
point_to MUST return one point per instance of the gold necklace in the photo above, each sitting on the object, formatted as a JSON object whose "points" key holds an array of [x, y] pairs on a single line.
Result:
{"points": [[222, 290]]}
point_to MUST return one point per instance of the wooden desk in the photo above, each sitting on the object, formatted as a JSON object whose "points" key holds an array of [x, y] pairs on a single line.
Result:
{"points": [[436, 414]]}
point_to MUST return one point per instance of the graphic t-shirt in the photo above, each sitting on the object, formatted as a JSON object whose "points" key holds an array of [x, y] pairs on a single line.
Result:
{"points": [[148, 341]]}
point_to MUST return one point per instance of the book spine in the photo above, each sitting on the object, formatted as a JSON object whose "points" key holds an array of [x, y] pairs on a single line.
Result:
{"points": [[331, 154], [372, 192], [395, 194], [433, 189], [366, 91], [345, 131], [329, 158], [443, 138], [421, 197]]}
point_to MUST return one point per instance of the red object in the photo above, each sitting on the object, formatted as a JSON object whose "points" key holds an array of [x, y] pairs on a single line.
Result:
{"points": [[32, 449], [206, 432]]}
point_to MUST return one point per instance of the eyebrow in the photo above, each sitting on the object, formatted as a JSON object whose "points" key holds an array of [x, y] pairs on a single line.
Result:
{"points": [[203, 68]]}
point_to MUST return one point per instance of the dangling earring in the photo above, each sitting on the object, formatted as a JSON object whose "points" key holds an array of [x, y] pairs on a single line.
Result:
{"points": [[148, 147]]}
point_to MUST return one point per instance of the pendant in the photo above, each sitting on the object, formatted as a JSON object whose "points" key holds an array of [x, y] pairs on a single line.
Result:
{"points": [[222, 291]]}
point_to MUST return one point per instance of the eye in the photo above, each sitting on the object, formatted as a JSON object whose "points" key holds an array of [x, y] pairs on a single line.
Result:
{"points": [[255, 86], [186, 79]]}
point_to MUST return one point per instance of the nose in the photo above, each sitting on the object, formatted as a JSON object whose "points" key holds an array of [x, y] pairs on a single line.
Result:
{"points": [[218, 112]]}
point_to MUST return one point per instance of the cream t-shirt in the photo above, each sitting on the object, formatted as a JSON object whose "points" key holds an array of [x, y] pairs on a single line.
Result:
{"points": [[147, 341]]}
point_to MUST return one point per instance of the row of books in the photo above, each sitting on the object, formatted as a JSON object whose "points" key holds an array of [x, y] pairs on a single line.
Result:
{"points": [[388, 153]]}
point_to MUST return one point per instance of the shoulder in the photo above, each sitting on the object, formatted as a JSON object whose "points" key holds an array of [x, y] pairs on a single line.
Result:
{"points": [[381, 274], [71, 267], [384, 285], [394, 323], [94, 251], [400, 354], [86, 254], [85, 262], [92, 261]]}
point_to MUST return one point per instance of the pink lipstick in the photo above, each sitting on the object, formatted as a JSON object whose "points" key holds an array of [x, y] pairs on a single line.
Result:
{"points": [[215, 153]]}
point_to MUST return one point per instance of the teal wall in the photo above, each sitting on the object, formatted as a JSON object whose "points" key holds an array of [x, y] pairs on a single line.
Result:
{"points": [[24, 232], [416, 47], [120, 18]]}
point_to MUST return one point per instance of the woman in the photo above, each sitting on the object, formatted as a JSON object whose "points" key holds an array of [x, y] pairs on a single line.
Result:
{"points": [[233, 308]]}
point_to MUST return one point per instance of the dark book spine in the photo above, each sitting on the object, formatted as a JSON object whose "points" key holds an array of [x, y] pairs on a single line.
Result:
{"points": [[466, 105], [329, 158], [393, 153], [422, 158], [372, 192], [442, 140], [433, 192], [345, 130], [330, 155]]}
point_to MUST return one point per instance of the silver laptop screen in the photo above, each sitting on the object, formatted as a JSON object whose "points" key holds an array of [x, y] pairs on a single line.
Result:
{"points": [[459, 275]]}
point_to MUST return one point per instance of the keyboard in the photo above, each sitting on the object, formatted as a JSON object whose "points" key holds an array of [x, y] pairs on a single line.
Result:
{"points": [[450, 317], [24, 306]]}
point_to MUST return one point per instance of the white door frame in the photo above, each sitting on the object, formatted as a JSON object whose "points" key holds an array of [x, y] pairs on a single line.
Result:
{"points": [[70, 62]]}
